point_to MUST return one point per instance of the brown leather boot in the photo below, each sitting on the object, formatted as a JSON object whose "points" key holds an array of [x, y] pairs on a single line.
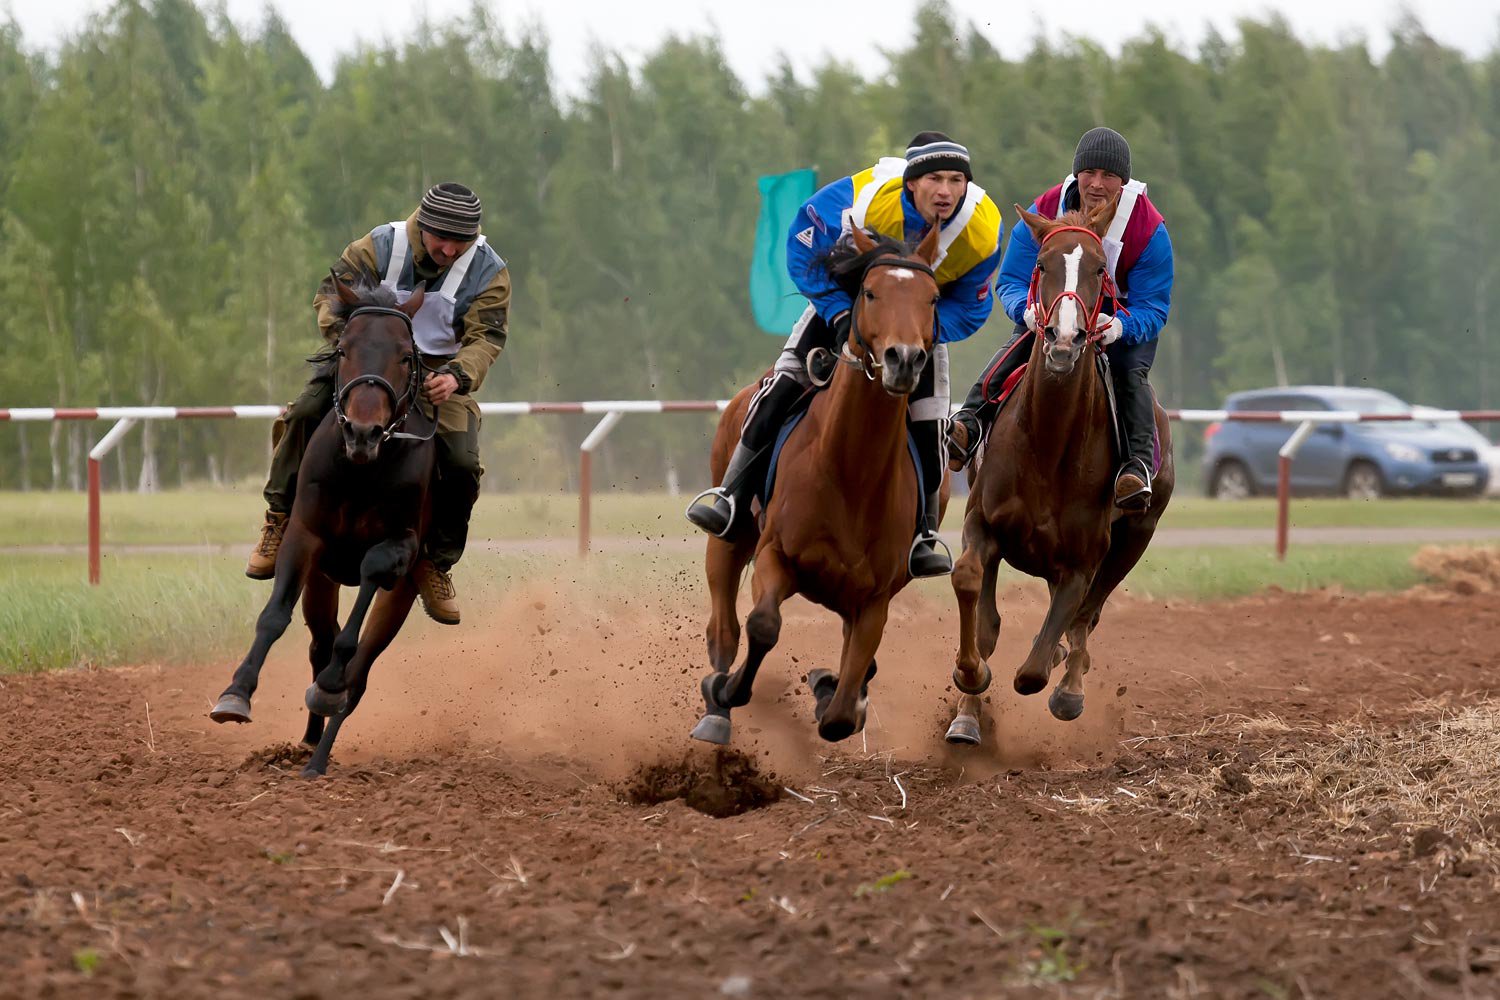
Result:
{"points": [[1133, 488], [262, 564], [960, 449], [439, 598]]}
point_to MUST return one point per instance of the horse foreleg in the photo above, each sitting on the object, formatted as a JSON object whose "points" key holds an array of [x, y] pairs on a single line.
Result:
{"points": [[385, 620], [774, 583], [724, 563], [385, 565], [844, 714], [234, 703], [971, 674], [320, 610], [1067, 594]]}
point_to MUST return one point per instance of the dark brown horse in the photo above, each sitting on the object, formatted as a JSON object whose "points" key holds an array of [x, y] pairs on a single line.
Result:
{"points": [[360, 512], [1043, 497], [838, 526]]}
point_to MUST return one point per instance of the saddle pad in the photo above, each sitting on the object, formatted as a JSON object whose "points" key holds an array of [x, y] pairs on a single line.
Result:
{"points": [[791, 425]]}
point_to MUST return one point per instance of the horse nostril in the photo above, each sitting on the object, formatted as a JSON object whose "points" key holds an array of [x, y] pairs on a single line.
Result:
{"points": [[919, 359], [1051, 334], [892, 357]]}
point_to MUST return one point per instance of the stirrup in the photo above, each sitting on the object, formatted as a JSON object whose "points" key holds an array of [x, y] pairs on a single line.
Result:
{"points": [[936, 540], [966, 454], [1129, 502], [722, 494]]}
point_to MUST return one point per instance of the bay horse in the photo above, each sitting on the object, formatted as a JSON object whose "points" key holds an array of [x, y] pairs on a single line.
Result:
{"points": [[358, 517], [1042, 498], [838, 526]]}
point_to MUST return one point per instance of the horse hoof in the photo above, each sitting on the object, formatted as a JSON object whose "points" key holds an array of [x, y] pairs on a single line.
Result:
{"points": [[312, 772], [964, 731], [1027, 684], [837, 730], [822, 684], [984, 680], [1064, 705], [231, 708], [713, 729], [325, 703]]}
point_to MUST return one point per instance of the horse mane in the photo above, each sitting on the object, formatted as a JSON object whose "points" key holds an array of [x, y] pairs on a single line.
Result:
{"points": [[846, 264], [370, 292], [1074, 218]]}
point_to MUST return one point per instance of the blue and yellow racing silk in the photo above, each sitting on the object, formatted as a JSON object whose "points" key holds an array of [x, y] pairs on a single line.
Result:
{"points": [[877, 199]]}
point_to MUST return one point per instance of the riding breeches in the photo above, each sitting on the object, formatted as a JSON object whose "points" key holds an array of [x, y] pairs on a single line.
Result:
{"points": [[927, 405], [454, 490]]}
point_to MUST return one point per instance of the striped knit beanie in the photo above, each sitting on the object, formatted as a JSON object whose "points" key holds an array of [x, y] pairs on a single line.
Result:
{"points": [[932, 151], [450, 211]]}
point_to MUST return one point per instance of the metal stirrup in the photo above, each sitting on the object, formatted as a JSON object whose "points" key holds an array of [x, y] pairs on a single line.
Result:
{"points": [[722, 494]]}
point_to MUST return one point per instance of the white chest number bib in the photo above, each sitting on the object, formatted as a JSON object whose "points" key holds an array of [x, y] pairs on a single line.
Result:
{"points": [[432, 326]]}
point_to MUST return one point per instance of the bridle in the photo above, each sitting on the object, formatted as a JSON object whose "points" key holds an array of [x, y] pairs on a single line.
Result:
{"points": [[864, 360], [1043, 314], [401, 404]]}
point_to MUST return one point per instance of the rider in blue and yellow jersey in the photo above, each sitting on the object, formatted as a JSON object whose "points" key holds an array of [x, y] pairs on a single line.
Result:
{"points": [[901, 198]]}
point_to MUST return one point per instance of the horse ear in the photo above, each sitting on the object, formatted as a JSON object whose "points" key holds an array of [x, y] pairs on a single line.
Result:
{"points": [[346, 294], [862, 241], [1038, 224], [927, 250], [411, 305], [1100, 217]]}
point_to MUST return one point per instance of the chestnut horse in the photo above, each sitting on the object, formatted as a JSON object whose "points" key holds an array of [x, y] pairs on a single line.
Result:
{"points": [[839, 523], [359, 515], [1042, 498]]}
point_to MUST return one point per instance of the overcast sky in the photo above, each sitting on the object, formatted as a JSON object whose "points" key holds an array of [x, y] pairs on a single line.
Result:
{"points": [[755, 31]]}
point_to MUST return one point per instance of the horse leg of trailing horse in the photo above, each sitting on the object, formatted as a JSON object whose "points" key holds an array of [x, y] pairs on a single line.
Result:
{"points": [[386, 564], [774, 584], [845, 714], [725, 561], [386, 617], [1067, 594], [989, 606], [320, 610], [1128, 542], [234, 703], [970, 673]]}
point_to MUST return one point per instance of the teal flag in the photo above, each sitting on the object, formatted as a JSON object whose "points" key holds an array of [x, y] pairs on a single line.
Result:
{"points": [[774, 299]]}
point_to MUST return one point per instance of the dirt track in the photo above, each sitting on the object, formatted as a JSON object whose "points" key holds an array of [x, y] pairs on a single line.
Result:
{"points": [[1155, 848]]}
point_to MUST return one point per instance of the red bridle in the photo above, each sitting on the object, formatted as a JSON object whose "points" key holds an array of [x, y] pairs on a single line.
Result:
{"points": [[1043, 314]]}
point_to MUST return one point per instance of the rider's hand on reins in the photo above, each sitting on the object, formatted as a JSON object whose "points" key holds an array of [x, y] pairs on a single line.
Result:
{"points": [[438, 388], [1108, 329]]}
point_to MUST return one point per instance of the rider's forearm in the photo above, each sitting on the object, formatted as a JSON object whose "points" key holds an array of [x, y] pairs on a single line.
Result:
{"points": [[486, 325]]}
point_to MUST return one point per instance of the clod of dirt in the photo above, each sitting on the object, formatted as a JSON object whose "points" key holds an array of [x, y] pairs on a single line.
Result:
{"points": [[727, 785], [278, 757], [1427, 840], [1234, 779]]}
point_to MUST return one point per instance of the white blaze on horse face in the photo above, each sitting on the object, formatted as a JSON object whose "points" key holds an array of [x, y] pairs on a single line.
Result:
{"points": [[902, 274], [1067, 310]]}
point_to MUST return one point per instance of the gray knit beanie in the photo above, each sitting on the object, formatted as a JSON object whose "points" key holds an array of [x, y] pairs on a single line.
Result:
{"points": [[1102, 149]]}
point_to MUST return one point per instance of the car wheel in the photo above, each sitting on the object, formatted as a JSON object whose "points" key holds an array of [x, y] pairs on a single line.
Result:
{"points": [[1363, 482], [1232, 481]]}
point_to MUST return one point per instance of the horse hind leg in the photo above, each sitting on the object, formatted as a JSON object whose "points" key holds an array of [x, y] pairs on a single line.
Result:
{"points": [[389, 560], [385, 620], [843, 714], [725, 561]]}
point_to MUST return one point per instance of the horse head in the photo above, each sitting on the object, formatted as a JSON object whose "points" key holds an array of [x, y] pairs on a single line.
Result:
{"points": [[894, 322], [376, 367], [1069, 283]]}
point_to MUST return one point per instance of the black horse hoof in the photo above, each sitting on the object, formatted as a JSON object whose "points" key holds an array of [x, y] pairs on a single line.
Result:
{"points": [[312, 772], [713, 690], [964, 731], [1065, 706], [713, 729], [984, 680], [231, 708], [325, 703], [822, 684], [834, 732]]}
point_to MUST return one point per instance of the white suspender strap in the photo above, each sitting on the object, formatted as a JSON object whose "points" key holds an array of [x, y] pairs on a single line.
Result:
{"points": [[1128, 195], [1062, 197], [886, 168], [458, 271], [399, 249]]}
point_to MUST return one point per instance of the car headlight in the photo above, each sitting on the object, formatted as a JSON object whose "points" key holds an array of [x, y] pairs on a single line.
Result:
{"points": [[1403, 452]]}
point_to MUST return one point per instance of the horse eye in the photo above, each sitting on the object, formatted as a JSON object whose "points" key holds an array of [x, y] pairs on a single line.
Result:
{"points": [[934, 300], [1040, 269], [340, 352], [869, 295], [1101, 269]]}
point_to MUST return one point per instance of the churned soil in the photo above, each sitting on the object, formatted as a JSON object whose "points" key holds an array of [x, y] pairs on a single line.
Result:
{"points": [[1285, 796]]}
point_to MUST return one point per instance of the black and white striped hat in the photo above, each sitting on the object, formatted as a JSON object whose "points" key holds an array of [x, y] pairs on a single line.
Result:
{"points": [[450, 211], [930, 151]]}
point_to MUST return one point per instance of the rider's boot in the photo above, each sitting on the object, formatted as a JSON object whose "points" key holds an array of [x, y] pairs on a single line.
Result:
{"points": [[262, 565], [439, 596], [929, 556], [1138, 413], [971, 420], [716, 510]]}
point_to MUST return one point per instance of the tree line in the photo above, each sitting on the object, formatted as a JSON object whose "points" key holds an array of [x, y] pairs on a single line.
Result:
{"points": [[172, 186]]}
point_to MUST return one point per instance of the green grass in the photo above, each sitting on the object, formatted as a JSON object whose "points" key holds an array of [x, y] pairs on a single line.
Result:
{"points": [[1220, 572], [232, 517]]}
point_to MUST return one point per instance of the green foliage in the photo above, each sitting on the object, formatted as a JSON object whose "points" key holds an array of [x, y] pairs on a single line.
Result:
{"points": [[884, 883], [86, 960], [172, 187]]}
